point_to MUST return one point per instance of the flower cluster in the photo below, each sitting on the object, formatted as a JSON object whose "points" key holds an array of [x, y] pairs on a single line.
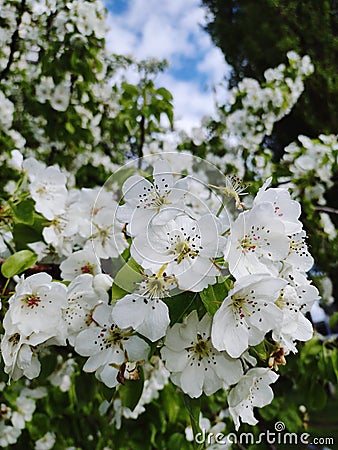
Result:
{"points": [[181, 243], [170, 277], [313, 163], [267, 103], [13, 417]]}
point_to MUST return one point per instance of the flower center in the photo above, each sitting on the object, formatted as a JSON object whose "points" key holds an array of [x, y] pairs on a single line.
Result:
{"points": [[202, 347], [153, 199], [14, 339], [158, 200], [112, 336], [247, 244], [158, 285], [280, 302], [297, 246], [239, 304], [102, 233], [183, 250], [88, 268], [41, 190], [31, 301]]}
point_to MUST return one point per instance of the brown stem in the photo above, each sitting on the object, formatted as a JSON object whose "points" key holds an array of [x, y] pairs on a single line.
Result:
{"points": [[142, 140], [326, 209], [14, 41]]}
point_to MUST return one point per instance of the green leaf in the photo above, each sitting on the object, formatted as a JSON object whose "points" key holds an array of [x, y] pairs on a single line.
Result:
{"points": [[334, 357], [317, 396], [39, 426], [24, 212], [85, 389], [24, 234], [179, 305], [171, 403], [117, 292], [164, 93], [213, 296], [126, 279], [178, 440], [333, 321], [193, 406], [17, 263], [48, 365], [106, 392], [131, 391], [70, 128], [264, 349]]}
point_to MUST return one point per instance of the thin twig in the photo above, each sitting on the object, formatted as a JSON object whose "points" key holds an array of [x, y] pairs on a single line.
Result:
{"points": [[326, 209]]}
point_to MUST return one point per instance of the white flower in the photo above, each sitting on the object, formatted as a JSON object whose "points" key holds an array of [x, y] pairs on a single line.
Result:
{"points": [[257, 239], [41, 250], [44, 89], [16, 160], [156, 377], [89, 203], [144, 310], [233, 188], [18, 352], [299, 257], [82, 299], [187, 246], [61, 376], [46, 442], [286, 209], [195, 365], [49, 192], [294, 301], [7, 110], [63, 230], [37, 305], [145, 201], [25, 408], [199, 198], [247, 313], [148, 316], [252, 390], [107, 239], [328, 226], [107, 346], [8, 434], [80, 262], [102, 283], [60, 97]]}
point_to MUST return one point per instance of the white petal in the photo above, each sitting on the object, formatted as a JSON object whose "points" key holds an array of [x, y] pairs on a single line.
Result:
{"points": [[163, 176], [129, 311], [175, 361], [136, 348], [107, 375], [227, 333], [192, 379], [156, 322]]}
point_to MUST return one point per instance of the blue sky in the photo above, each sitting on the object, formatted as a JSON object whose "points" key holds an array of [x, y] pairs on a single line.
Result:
{"points": [[172, 30]]}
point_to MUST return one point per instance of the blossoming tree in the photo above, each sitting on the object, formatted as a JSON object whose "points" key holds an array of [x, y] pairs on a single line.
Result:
{"points": [[171, 296]]}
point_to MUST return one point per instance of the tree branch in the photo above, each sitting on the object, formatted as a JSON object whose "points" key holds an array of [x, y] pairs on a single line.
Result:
{"points": [[14, 41], [326, 209], [142, 139]]}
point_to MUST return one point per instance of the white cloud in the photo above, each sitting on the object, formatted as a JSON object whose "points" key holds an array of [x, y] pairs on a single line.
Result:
{"points": [[172, 30], [214, 66], [190, 102]]}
